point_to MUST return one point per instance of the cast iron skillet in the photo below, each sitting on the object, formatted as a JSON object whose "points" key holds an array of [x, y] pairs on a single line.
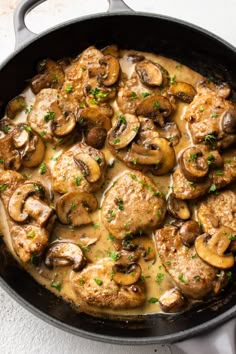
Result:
{"points": [[188, 44]]}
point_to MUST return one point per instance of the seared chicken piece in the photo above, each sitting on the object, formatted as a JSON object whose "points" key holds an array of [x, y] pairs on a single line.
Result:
{"points": [[80, 168], [218, 210], [211, 119], [184, 189], [95, 286], [132, 204], [31, 238], [194, 277]]}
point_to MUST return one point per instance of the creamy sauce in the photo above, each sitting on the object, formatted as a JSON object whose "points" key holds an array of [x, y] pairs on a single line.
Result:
{"points": [[95, 238]]}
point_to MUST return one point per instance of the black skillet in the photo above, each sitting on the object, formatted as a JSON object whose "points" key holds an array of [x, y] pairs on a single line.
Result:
{"points": [[184, 42]]}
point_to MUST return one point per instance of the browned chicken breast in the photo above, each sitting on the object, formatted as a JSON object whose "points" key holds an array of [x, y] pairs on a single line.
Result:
{"points": [[193, 276], [95, 286], [132, 204], [211, 119], [22, 203], [184, 189], [218, 210], [81, 167]]}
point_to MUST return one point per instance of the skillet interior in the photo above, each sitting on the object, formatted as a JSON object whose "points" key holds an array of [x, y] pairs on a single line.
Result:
{"points": [[176, 40]]}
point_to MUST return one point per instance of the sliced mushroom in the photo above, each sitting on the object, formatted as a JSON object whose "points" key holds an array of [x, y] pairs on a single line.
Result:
{"points": [[74, 207], [89, 167], [37, 210], [21, 135], [9, 154], [64, 253], [172, 300], [111, 67], [100, 95], [210, 255], [90, 117], [96, 137], [183, 91], [124, 131], [220, 241], [15, 106], [188, 232], [229, 121], [34, 152], [149, 73], [156, 107], [111, 50], [126, 274], [50, 74], [135, 57], [171, 132], [146, 245], [193, 164], [178, 208], [18, 198], [62, 123]]}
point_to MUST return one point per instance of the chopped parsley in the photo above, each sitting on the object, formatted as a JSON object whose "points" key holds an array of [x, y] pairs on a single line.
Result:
{"points": [[134, 95], [43, 133], [116, 141], [95, 225], [27, 128], [3, 187], [201, 109], [145, 94], [99, 282], [173, 80], [78, 180], [153, 300], [181, 278], [135, 129], [232, 237], [120, 204], [219, 172], [210, 139], [6, 128], [193, 158], [197, 277], [135, 161], [134, 177], [31, 234], [211, 158], [156, 104], [42, 168], [114, 256], [84, 248], [212, 188], [49, 116], [214, 115], [69, 88], [159, 278], [122, 119], [1, 161], [57, 285], [111, 237]]}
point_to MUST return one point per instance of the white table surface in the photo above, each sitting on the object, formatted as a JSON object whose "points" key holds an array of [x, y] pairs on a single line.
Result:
{"points": [[20, 331]]}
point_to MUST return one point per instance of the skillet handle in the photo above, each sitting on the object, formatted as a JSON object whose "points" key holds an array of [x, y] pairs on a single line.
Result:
{"points": [[22, 33], [118, 6]]}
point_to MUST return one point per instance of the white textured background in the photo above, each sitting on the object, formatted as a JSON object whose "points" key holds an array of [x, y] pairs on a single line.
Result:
{"points": [[20, 331]]}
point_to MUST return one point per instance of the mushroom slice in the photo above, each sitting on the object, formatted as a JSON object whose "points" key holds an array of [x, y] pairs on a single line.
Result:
{"points": [[64, 124], [96, 137], [171, 132], [183, 91], [178, 208], [89, 167], [38, 210], [111, 50], [90, 117], [135, 57], [111, 67], [146, 246], [149, 73], [64, 253], [16, 105], [34, 152], [220, 241], [210, 255], [51, 75], [18, 198], [193, 164], [20, 135], [124, 131], [126, 274], [172, 300], [144, 155], [188, 232], [74, 207], [228, 121], [156, 107]]}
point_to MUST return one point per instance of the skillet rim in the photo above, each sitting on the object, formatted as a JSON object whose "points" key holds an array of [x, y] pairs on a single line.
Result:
{"points": [[164, 339]]}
